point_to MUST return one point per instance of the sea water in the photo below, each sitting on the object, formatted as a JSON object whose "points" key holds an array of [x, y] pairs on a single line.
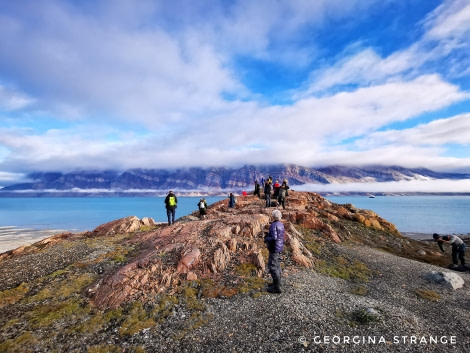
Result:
{"points": [[26, 220], [417, 214]]}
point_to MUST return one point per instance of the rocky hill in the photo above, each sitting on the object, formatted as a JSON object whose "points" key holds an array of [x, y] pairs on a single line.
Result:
{"points": [[350, 280], [211, 179]]}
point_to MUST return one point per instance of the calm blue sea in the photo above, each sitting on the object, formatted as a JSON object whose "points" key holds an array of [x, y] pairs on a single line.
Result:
{"points": [[420, 214], [26, 220]]}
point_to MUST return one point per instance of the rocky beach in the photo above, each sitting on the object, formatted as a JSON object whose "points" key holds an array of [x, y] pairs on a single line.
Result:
{"points": [[351, 283]]}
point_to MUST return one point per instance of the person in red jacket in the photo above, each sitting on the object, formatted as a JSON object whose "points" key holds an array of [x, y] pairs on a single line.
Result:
{"points": [[276, 187]]}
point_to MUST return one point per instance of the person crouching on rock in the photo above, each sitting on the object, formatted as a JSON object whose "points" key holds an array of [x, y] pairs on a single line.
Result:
{"points": [[274, 240], [458, 246]]}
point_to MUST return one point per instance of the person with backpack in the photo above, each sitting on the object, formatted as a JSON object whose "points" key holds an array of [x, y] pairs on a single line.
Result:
{"points": [[274, 240], [282, 193], [202, 207], [171, 203], [232, 200], [284, 183], [267, 193], [276, 187], [257, 189], [458, 247]]}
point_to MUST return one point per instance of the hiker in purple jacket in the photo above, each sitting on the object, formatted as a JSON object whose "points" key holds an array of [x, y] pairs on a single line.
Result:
{"points": [[275, 243]]}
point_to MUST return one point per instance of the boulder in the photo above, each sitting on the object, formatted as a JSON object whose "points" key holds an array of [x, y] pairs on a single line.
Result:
{"points": [[449, 279], [119, 226], [188, 261]]}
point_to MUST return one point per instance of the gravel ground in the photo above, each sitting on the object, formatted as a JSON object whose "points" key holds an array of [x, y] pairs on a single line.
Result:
{"points": [[321, 314], [315, 313]]}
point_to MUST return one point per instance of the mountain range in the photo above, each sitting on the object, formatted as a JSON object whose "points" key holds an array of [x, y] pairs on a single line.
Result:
{"points": [[211, 180]]}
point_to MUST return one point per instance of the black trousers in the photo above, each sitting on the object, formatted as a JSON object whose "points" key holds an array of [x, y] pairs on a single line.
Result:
{"points": [[458, 251]]}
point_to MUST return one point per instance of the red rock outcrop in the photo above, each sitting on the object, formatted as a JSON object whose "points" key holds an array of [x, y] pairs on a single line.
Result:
{"points": [[195, 248], [123, 225]]}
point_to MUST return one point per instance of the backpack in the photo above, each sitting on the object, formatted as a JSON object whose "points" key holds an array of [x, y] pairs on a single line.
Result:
{"points": [[172, 201], [202, 205]]}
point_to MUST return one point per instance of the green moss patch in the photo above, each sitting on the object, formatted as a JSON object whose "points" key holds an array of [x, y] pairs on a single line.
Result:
{"points": [[427, 294], [246, 270], [359, 290], [47, 314], [110, 348], [342, 267], [24, 343], [362, 317], [11, 296], [253, 285], [137, 319], [64, 288]]}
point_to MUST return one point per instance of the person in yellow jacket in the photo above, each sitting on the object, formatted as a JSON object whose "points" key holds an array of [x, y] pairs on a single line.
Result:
{"points": [[171, 202]]}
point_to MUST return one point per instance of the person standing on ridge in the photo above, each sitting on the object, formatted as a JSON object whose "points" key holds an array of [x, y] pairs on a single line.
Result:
{"points": [[284, 183], [232, 200], [257, 189], [202, 207], [282, 193], [171, 203], [267, 193], [276, 187], [458, 246], [274, 240]]}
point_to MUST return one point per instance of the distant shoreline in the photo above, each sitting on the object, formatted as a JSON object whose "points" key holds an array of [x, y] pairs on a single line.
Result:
{"points": [[201, 193], [12, 237], [428, 236]]}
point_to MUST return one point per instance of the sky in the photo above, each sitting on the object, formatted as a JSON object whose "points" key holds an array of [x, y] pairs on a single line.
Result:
{"points": [[95, 85]]}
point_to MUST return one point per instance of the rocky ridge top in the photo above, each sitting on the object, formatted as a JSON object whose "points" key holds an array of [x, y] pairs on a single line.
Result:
{"points": [[213, 247]]}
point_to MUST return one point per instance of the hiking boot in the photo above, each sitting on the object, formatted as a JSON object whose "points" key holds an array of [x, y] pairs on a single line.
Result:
{"points": [[276, 288], [270, 286]]}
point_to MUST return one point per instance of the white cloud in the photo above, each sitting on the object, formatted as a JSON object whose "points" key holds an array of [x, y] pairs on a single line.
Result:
{"points": [[429, 186], [454, 130], [7, 178], [446, 31], [451, 20], [100, 67], [13, 100], [302, 134]]}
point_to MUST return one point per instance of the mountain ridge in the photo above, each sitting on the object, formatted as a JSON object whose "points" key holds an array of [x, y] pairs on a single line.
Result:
{"points": [[214, 179]]}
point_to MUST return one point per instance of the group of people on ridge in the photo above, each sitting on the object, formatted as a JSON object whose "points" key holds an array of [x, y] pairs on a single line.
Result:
{"points": [[274, 237], [171, 203], [279, 191]]}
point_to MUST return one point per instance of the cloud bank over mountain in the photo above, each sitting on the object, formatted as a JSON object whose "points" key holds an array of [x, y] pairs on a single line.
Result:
{"points": [[402, 186]]}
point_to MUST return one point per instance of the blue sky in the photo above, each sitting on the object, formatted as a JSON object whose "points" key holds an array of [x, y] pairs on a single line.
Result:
{"points": [[160, 84]]}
